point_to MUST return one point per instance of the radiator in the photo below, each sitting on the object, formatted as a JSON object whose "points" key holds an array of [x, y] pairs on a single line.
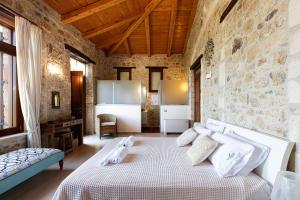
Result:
{"points": [[175, 125]]}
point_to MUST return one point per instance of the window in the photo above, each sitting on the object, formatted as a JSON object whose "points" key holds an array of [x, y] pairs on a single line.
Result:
{"points": [[124, 73], [156, 74], [11, 120], [77, 65]]}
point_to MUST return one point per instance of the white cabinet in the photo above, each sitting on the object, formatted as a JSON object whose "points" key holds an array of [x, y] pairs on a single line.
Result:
{"points": [[174, 118]]}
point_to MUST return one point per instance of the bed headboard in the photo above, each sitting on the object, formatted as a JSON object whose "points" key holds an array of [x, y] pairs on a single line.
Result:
{"points": [[280, 150]]}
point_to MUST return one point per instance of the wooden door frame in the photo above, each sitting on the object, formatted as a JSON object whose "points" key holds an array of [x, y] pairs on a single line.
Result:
{"points": [[78, 73], [197, 114], [196, 67]]}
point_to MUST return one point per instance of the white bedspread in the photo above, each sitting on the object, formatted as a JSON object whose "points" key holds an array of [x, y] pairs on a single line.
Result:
{"points": [[156, 168]]}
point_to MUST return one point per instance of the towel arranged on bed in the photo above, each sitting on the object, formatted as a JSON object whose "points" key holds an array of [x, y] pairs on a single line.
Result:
{"points": [[115, 156], [127, 141], [119, 155], [106, 158]]}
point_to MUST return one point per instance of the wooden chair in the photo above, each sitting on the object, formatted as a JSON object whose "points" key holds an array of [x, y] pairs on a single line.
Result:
{"points": [[108, 124]]}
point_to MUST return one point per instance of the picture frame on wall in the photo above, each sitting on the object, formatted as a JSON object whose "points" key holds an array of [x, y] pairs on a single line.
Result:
{"points": [[55, 100]]}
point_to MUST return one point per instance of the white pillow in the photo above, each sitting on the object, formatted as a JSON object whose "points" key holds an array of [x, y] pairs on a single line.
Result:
{"points": [[230, 157], [201, 130], [186, 137], [259, 155], [202, 147], [215, 127]]}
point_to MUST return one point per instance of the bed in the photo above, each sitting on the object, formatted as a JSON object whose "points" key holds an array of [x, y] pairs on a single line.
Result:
{"points": [[156, 168]]}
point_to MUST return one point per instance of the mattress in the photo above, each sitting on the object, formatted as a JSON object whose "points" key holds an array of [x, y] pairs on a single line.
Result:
{"points": [[156, 168]]}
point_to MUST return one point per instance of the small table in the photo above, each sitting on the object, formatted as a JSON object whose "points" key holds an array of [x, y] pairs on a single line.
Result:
{"points": [[48, 130]]}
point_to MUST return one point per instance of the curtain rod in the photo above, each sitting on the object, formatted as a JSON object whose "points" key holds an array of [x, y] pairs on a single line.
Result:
{"points": [[14, 13]]}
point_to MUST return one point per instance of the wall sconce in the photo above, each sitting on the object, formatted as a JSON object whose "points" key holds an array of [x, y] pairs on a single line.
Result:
{"points": [[184, 87], [54, 69]]}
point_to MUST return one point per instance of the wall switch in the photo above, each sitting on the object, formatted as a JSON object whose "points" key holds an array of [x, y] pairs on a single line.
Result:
{"points": [[208, 75]]}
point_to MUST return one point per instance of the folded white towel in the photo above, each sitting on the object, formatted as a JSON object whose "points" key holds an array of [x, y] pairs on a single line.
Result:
{"points": [[106, 160], [127, 142], [118, 156], [130, 141], [122, 142], [115, 156]]}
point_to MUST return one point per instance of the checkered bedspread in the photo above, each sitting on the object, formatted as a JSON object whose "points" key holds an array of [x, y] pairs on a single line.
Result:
{"points": [[156, 168]]}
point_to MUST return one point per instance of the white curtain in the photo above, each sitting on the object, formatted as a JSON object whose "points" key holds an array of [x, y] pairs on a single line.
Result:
{"points": [[29, 46]]}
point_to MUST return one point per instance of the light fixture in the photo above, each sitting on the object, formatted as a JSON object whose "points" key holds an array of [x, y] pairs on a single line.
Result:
{"points": [[184, 86], [54, 68]]}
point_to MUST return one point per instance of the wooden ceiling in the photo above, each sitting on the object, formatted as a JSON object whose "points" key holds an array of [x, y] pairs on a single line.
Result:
{"points": [[131, 26]]}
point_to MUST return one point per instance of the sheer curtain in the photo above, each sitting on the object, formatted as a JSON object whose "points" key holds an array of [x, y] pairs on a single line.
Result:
{"points": [[29, 46]]}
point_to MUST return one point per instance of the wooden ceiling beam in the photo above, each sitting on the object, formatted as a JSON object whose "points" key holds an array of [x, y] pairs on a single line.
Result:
{"points": [[126, 45], [149, 8], [191, 21], [147, 30], [108, 27], [172, 26], [108, 42], [89, 10]]}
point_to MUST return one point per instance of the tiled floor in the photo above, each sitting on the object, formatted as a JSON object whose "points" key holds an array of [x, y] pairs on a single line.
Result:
{"points": [[43, 185]]}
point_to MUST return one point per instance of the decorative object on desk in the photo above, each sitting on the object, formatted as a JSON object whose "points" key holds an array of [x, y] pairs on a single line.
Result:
{"points": [[286, 186], [55, 100]]}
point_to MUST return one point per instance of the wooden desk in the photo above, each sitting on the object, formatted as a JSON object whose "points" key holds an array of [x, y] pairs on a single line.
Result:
{"points": [[48, 130]]}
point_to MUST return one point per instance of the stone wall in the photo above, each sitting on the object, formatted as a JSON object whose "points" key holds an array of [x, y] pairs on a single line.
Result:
{"points": [[293, 77], [54, 54], [176, 71], [254, 81]]}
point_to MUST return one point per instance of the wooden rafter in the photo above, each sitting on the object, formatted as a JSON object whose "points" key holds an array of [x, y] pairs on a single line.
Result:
{"points": [[172, 26], [147, 28], [149, 8], [191, 21], [126, 45], [169, 9], [108, 42], [89, 10], [108, 27]]}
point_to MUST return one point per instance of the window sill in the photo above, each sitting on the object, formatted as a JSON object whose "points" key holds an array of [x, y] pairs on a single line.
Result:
{"points": [[7, 137]]}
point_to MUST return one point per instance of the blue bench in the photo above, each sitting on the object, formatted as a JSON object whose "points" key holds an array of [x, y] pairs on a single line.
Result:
{"points": [[20, 165]]}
